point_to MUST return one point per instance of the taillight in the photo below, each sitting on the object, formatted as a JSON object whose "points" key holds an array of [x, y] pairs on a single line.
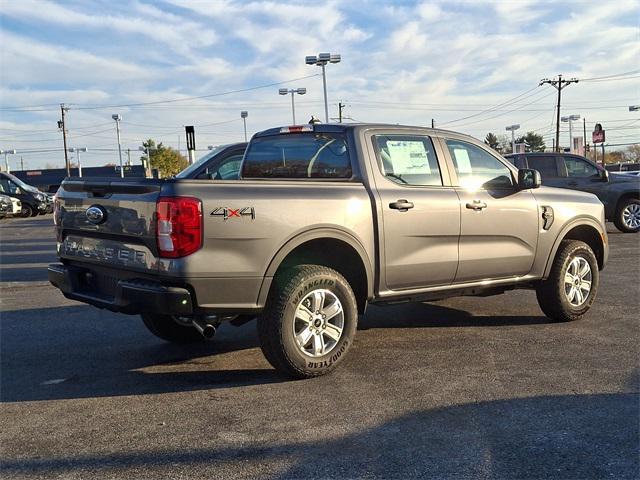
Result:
{"points": [[178, 226]]}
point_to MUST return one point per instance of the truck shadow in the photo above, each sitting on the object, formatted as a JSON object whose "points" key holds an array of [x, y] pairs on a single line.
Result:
{"points": [[556, 436], [426, 315], [82, 352]]}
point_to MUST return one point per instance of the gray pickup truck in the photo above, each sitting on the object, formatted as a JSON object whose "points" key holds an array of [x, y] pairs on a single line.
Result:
{"points": [[323, 220]]}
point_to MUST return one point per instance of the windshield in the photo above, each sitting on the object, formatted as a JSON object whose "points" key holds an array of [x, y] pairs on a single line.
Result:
{"points": [[186, 173], [21, 184]]}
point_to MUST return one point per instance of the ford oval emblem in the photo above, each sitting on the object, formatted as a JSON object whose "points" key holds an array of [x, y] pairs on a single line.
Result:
{"points": [[96, 214]]}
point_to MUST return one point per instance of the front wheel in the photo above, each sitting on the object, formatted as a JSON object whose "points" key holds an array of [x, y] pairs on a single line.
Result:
{"points": [[309, 321], [27, 211], [572, 285], [627, 217]]}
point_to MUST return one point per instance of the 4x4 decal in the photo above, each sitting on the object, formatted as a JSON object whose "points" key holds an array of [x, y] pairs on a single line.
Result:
{"points": [[227, 212]]}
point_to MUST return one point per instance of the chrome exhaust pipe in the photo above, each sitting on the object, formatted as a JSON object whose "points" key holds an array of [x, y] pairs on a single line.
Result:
{"points": [[207, 330]]}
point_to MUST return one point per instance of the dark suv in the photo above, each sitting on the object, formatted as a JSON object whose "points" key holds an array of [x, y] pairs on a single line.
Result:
{"points": [[34, 202], [620, 194]]}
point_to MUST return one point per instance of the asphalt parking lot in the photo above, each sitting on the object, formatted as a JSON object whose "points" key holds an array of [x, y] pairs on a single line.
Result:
{"points": [[463, 388]]}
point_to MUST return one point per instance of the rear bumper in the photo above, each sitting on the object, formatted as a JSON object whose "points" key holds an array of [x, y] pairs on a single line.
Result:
{"points": [[132, 296]]}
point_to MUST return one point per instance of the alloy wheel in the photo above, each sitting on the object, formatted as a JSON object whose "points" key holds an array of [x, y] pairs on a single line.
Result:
{"points": [[318, 323]]}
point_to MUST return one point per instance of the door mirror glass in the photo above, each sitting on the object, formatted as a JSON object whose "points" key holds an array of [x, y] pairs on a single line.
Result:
{"points": [[604, 175], [528, 178]]}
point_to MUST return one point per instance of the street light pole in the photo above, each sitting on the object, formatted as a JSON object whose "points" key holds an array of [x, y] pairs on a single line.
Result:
{"points": [[6, 159], [570, 120], [244, 114], [321, 60], [512, 129], [293, 91], [117, 118]]}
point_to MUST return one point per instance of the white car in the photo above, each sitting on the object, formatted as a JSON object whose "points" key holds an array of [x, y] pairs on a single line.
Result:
{"points": [[16, 206]]}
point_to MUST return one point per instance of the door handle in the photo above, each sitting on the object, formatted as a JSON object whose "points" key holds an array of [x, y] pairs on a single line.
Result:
{"points": [[476, 205], [402, 205], [573, 184]]}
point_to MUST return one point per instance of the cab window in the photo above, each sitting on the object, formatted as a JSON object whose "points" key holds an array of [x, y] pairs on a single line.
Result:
{"points": [[408, 159], [545, 164], [7, 186], [578, 168], [298, 155], [476, 168]]}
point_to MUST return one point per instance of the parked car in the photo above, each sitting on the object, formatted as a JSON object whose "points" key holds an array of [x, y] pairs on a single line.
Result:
{"points": [[620, 194], [322, 221], [33, 201], [5, 206], [222, 163]]}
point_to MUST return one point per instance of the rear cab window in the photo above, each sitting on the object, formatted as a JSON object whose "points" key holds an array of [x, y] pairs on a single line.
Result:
{"points": [[311, 155]]}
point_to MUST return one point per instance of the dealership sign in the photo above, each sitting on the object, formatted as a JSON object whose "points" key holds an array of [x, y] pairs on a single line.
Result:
{"points": [[598, 134]]}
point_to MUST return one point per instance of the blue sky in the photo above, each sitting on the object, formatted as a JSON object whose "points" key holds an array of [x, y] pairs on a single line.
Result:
{"points": [[402, 62]]}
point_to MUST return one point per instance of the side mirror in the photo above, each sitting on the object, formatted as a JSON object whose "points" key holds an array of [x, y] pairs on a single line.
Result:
{"points": [[528, 178], [604, 175]]}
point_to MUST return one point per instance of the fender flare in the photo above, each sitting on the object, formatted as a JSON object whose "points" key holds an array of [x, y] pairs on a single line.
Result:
{"points": [[576, 222], [315, 234]]}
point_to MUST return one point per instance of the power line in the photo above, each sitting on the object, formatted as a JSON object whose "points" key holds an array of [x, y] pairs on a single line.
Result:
{"points": [[632, 72]]}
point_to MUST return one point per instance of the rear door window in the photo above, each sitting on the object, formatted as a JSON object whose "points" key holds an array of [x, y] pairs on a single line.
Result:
{"points": [[545, 164], [298, 155], [408, 159]]}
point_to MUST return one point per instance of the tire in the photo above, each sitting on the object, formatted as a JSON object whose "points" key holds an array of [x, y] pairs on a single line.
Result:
{"points": [[555, 293], [166, 328], [627, 217], [328, 338], [27, 211]]}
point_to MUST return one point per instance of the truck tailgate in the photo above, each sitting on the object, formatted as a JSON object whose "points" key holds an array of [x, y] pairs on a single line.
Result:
{"points": [[108, 222]]}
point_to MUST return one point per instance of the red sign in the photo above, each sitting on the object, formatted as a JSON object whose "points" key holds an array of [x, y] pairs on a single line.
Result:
{"points": [[598, 134]]}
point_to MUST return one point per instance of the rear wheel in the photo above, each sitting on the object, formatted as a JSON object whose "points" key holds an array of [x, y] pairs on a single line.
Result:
{"points": [[309, 322], [572, 285], [627, 217], [166, 328]]}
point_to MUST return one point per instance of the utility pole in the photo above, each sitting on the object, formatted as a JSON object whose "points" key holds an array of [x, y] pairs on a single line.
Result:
{"points": [[340, 107], [21, 163], [117, 117], [558, 84], [584, 133], [61, 125]]}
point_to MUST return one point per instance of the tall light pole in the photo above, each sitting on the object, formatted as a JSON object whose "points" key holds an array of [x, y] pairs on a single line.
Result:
{"points": [[322, 59], [6, 159], [243, 115], [570, 119], [512, 129], [293, 91], [78, 150], [117, 118]]}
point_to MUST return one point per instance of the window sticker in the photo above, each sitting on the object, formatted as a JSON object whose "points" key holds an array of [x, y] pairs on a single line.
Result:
{"points": [[408, 157], [462, 160]]}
